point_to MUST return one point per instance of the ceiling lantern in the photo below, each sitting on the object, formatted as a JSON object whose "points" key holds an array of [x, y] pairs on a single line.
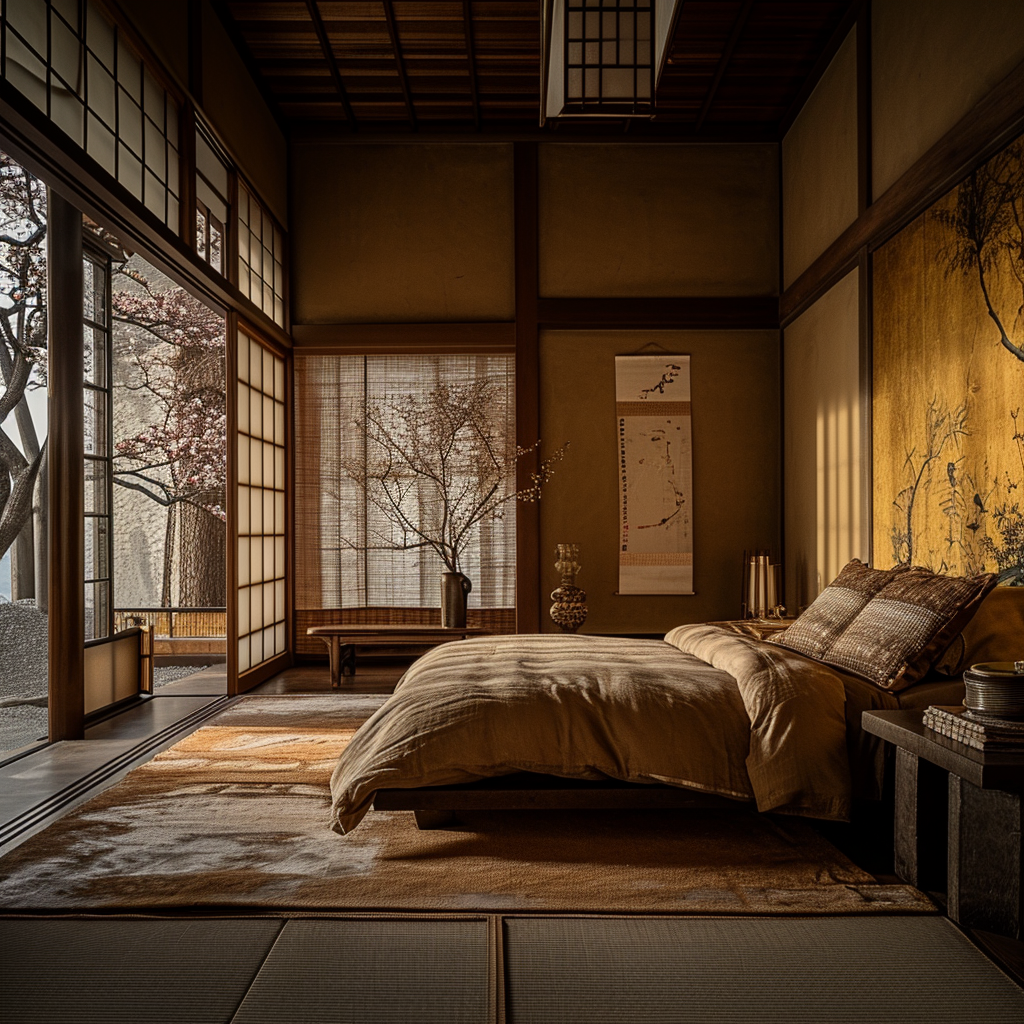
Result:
{"points": [[602, 57]]}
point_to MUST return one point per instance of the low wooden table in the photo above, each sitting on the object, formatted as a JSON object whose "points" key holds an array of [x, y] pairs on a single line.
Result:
{"points": [[341, 641], [958, 820]]}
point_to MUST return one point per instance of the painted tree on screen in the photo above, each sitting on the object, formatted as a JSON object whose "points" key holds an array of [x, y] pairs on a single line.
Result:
{"points": [[987, 221]]}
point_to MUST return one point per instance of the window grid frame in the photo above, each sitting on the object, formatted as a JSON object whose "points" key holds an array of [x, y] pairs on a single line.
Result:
{"points": [[169, 186], [274, 628], [201, 208], [278, 297], [101, 262], [635, 105]]}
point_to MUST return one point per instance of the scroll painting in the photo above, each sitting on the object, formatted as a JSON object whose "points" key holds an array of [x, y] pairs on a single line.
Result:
{"points": [[948, 357], [652, 407]]}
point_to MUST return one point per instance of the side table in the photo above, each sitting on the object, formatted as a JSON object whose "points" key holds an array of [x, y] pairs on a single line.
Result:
{"points": [[958, 812]]}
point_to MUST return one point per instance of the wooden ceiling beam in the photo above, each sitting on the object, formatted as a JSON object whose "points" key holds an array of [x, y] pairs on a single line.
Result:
{"points": [[467, 21], [325, 45], [389, 13], [734, 37]]}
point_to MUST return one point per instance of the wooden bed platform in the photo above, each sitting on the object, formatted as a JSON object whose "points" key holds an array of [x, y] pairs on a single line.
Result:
{"points": [[439, 806]]}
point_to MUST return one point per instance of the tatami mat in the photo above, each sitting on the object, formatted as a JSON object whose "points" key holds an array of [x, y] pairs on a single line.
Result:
{"points": [[128, 971], [910, 970], [373, 972]]}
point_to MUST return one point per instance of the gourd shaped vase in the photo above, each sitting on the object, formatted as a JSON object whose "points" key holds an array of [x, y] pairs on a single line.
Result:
{"points": [[569, 610]]}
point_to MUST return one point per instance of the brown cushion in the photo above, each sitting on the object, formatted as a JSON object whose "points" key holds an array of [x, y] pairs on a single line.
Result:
{"points": [[996, 633], [832, 611], [908, 618]]}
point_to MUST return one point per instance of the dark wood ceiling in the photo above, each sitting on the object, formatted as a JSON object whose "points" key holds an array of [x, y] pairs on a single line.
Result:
{"points": [[735, 67]]}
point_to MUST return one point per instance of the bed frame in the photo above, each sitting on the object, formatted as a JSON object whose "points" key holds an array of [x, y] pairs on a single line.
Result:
{"points": [[438, 807]]}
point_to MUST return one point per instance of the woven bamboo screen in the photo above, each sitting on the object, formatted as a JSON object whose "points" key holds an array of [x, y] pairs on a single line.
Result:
{"points": [[346, 565]]}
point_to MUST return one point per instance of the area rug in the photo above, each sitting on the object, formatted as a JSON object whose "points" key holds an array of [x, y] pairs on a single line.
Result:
{"points": [[236, 815]]}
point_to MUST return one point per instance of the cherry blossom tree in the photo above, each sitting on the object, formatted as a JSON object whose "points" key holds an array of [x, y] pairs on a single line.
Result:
{"points": [[173, 345]]}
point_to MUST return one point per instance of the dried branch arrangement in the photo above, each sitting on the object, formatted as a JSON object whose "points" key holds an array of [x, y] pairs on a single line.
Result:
{"points": [[439, 464]]}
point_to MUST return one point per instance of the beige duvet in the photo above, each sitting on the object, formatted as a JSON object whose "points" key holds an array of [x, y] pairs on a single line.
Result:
{"points": [[705, 709]]}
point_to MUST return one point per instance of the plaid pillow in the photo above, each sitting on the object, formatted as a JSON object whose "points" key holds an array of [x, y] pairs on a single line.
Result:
{"points": [[902, 627]]}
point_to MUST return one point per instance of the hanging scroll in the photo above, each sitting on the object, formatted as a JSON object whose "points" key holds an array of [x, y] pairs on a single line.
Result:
{"points": [[652, 407]]}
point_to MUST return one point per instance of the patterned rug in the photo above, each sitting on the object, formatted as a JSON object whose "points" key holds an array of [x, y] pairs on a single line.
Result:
{"points": [[236, 814]]}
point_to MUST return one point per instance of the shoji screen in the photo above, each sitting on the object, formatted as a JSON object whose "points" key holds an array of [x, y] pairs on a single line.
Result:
{"points": [[260, 496]]}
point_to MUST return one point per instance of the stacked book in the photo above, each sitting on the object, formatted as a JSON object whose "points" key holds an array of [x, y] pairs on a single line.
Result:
{"points": [[981, 732]]}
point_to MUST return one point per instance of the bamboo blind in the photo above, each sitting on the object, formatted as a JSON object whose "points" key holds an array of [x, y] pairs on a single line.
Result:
{"points": [[344, 569]]}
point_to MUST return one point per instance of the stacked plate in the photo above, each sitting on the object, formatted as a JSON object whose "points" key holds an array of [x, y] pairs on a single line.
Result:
{"points": [[995, 688]]}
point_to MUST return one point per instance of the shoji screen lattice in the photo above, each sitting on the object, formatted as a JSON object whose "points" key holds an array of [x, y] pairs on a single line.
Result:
{"points": [[261, 504]]}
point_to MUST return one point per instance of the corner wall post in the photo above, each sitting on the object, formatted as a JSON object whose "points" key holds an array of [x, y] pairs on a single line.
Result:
{"points": [[527, 383], [66, 453]]}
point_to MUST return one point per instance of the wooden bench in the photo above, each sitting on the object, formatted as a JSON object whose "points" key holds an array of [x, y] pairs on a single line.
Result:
{"points": [[342, 640]]}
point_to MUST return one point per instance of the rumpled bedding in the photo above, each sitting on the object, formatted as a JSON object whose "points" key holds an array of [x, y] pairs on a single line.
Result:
{"points": [[705, 709]]}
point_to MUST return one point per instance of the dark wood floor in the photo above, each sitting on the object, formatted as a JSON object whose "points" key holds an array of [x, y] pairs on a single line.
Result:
{"points": [[373, 675]]}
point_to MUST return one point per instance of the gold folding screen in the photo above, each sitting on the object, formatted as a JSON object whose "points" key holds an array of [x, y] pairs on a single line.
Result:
{"points": [[260, 555]]}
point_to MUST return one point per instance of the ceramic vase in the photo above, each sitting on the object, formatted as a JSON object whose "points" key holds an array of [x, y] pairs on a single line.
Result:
{"points": [[455, 589], [569, 610]]}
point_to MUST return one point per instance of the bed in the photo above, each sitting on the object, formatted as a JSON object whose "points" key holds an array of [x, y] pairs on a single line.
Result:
{"points": [[705, 716]]}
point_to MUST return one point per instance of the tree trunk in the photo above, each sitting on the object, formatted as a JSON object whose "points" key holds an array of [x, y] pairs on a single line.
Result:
{"points": [[23, 567], [202, 559], [166, 598], [41, 520]]}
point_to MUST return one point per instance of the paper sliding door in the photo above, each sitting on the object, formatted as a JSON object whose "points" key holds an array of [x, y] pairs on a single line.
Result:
{"points": [[258, 620]]}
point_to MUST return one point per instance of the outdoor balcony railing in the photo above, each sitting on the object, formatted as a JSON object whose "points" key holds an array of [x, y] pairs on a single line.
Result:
{"points": [[175, 622]]}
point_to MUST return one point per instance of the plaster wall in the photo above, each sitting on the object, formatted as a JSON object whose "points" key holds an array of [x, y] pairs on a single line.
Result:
{"points": [[620, 220], [238, 111], [735, 408], [819, 166], [402, 233], [825, 524], [164, 26], [931, 62], [231, 101]]}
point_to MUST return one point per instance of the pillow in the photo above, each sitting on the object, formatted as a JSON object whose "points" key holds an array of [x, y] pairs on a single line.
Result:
{"points": [[996, 633], [909, 616], [832, 611]]}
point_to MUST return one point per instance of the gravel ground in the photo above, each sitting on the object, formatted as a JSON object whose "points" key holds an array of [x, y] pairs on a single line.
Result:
{"points": [[23, 675], [172, 673], [23, 647]]}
